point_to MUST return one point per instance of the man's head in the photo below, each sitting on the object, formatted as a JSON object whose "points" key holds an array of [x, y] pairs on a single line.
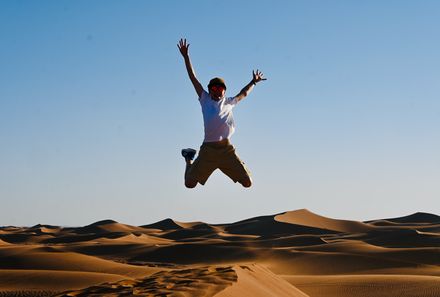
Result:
{"points": [[217, 88]]}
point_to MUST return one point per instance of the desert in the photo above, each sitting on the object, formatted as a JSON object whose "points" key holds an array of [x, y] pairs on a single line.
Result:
{"points": [[295, 253]]}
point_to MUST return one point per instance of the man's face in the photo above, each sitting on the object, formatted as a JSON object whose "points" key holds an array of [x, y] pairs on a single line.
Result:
{"points": [[217, 91]]}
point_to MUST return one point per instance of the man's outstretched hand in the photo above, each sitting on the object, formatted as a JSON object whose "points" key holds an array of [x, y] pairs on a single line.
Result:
{"points": [[183, 47], [257, 76]]}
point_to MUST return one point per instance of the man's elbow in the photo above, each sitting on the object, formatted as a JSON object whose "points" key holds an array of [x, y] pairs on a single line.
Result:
{"points": [[243, 94]]}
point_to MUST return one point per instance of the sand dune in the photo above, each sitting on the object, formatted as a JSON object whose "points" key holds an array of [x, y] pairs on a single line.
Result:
{"points": [[367, 285], [221, 281], [417, 218], [106, 226], [257, 281], [268, 226], [49, 282], [296, 253], [3, 242], [164, 225], [304, 217], [35, 259], [188, 281]]}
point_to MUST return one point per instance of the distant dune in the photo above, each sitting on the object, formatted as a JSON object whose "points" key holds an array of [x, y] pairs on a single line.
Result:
{"points": [[303, 217], [296, 253]]}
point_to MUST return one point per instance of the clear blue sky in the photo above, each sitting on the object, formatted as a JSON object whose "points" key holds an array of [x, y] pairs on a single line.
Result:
{"points": [[95, 105]]}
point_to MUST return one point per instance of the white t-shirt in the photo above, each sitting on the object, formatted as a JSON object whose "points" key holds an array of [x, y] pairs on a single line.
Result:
{"points": [[217, 117]]}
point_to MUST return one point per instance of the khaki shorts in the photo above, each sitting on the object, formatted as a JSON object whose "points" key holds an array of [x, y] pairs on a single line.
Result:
{"points": [[215, 155]]}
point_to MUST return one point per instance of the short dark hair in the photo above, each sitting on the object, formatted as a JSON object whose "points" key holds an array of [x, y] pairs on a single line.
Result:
{"points": [[217, 81]]}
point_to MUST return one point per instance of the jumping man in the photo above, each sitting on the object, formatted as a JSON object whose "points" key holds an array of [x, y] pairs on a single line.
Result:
{"points": [[216, 150]]}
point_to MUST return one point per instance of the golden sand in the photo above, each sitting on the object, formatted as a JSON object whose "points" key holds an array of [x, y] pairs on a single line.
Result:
{"points": [[296, 253]]}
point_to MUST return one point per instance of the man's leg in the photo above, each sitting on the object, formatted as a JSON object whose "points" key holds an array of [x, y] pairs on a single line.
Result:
{"points": [[189, 154], [198, 172], [246, 182], [235, 168], [189, 182]]}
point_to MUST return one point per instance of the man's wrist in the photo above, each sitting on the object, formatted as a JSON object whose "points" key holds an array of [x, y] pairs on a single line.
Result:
{"points": [[253, 82]]}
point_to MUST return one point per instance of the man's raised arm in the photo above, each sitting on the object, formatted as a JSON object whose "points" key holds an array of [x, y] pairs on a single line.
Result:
{"points": [[257, 76], [183, 48]]}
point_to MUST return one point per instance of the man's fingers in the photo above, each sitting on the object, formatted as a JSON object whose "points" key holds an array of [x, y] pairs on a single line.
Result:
{"points": [[258, 75], [183, 46]]}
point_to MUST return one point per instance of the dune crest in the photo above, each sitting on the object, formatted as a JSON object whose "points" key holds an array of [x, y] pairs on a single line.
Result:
{"points": [[164, 225], [107, 226], [3, 242], [416, 218], [305, 217]]}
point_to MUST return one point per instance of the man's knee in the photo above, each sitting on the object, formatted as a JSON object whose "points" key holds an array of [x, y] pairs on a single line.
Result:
{"points": [[190, 183], [247, 182]]}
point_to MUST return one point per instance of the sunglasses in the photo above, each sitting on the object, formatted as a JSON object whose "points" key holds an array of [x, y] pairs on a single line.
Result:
{"points": [[218, 88]]}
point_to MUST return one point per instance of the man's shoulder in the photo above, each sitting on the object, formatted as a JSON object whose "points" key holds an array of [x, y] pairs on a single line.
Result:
{"points": [[203, 95], [231, 100]]}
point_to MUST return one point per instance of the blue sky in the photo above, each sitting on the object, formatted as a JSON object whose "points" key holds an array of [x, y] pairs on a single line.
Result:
{"points": [[95, 105]]}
